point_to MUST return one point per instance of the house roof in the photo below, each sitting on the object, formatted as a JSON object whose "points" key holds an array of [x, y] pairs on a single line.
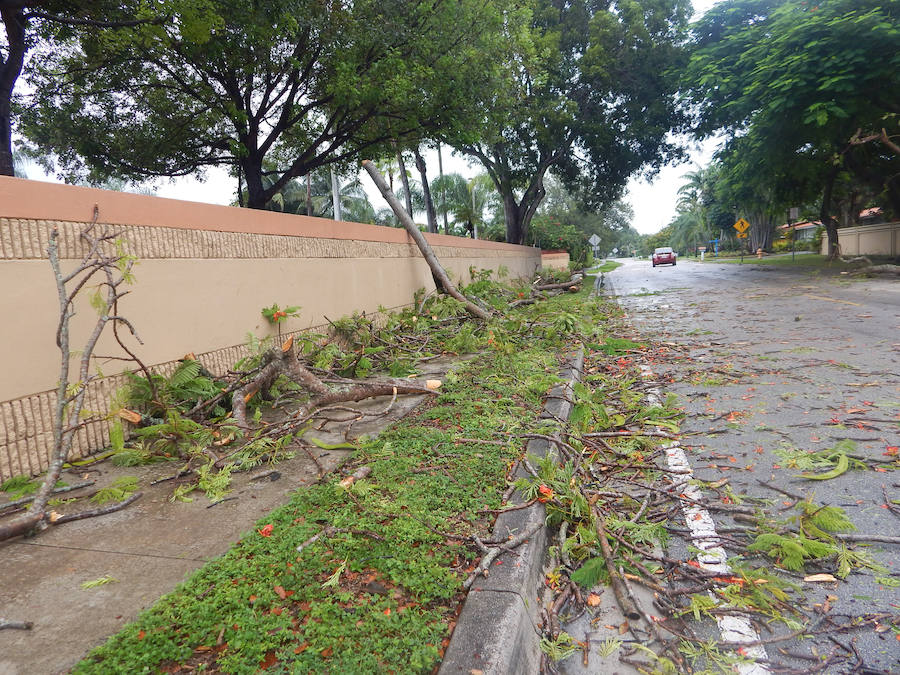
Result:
{"points": [[869, 213], [802, 225]]}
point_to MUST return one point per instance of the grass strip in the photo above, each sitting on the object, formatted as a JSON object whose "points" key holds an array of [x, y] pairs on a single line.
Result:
{"points": [[380, 591]]}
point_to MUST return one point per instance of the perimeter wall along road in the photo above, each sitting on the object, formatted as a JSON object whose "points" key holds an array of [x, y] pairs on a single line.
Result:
{"points": [[880, 239], [203, 275]]}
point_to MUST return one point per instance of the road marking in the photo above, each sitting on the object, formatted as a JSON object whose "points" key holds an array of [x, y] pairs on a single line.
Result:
{"points": [[822, 297], [703, 533]]}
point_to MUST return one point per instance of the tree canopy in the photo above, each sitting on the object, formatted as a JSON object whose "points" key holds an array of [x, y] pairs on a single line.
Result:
{"points": [[592, 94], [25, 20], [273, 89], [796, 86]]}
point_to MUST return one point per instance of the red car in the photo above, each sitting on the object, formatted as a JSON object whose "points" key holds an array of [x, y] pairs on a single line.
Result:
{"points": [[663, 256]]}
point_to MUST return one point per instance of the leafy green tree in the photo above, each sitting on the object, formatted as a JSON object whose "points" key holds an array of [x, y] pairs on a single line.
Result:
{"points": [[611, 223], [23, 20], [355, 204], [466, 201], [289, 84], [797, 83], [590, 95]]}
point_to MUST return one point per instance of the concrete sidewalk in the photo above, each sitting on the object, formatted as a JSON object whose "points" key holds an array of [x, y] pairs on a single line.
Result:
{"points": [[147, 548]]}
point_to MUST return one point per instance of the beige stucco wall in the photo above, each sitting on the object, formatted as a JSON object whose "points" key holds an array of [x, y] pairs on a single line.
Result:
{"points": [[555, 260], [203, 275], [881, 239]]}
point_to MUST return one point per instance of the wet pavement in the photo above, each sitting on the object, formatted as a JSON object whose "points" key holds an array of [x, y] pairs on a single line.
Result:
{"points": [[767, 360]]}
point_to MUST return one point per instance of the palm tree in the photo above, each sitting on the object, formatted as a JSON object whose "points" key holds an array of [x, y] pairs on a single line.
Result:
{"points": [[354, 202], [466, 200]]}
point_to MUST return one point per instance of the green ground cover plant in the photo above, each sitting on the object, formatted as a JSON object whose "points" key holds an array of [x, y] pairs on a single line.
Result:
{"points": [[368, 577]]}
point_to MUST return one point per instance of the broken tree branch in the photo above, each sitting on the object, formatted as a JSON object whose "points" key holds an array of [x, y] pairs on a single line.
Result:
{"points": [[491, 555], [93, 513], [19, 625], [406, 220]]}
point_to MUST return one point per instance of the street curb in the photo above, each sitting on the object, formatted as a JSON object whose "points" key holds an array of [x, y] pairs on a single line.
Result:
{"points": [[496, 632]]}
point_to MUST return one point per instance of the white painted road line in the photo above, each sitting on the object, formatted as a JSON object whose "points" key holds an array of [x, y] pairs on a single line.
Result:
{"points": [[734, 629]]}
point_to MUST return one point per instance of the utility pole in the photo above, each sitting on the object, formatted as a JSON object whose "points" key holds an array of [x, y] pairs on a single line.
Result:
{"points": [[336, 196], [443, 202]]}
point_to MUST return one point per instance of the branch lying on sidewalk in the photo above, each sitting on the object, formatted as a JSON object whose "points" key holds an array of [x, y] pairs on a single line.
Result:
{"points": [[27, 500], [492, 554], [18, 625], [93, 513]]}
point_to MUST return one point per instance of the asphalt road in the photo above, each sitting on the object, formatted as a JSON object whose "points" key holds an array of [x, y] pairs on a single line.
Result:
{"points": [[766, 358]]}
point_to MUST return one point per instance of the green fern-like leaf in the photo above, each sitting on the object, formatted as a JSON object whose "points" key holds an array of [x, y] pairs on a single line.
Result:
{"points": [[17, 483], [186, 371], [791, 552], [120, 489], [591, 573], [828, 518]]}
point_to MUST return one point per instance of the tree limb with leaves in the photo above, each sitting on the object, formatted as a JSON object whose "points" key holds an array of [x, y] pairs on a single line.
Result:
{"points": [[107, 265]]}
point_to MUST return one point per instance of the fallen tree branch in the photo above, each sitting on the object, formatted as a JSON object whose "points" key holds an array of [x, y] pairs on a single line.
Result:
{"points": [[26, 500], [573, 284], [18, 625], [406, 220], [491, 555], [623, 597], [93, 513]]}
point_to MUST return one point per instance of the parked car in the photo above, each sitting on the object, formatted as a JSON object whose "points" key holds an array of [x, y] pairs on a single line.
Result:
{"points": [[663, 256]]}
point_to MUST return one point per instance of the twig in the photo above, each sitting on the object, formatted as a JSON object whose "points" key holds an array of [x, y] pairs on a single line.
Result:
{"points": [[494, 552], [508, 508], [618, 585], [787, 493], [220, 501], [327, 532], [26, 500], [626, 434], [18, 625], [92, 513]]}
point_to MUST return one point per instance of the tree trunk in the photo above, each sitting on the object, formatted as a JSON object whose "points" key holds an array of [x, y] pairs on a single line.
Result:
{"points": [[436, 269], [404, 179], [426, 191], [443, 199], [825, 215], [762, 230], [14, 22], [256, 193], [515, 231], [518, 214], [335, 196]]}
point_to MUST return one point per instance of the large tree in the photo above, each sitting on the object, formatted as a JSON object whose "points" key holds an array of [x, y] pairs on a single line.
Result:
{"points": [[24, 20], [592, 97], [794, 83], [273, 89]]}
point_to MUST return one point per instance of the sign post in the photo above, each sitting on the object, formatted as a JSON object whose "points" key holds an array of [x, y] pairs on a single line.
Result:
{"points": [[594, 241], [702, 250], [793, 214], [742, 226]]}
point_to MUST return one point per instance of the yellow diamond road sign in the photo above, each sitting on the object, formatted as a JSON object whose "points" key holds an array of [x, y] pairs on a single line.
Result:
{"points": [[741, 225]]}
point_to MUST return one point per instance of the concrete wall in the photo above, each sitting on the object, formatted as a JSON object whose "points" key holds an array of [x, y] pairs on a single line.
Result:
{"points": [[204, 273], [881, 239], [555, 259]]}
